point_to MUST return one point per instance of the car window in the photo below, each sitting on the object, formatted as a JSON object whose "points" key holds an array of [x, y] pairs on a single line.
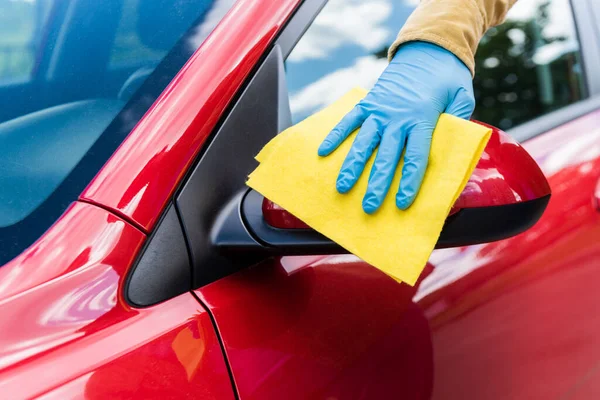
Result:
{"points": [[93, 70], [20, 38], [526, 67]]}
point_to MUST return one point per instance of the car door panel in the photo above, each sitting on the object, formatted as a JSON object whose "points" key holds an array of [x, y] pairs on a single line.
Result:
{"points": [[321, 327], [517, 318]]}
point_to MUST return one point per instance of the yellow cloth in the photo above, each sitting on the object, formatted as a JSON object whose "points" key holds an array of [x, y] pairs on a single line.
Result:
{"points": [[397, 242], [456, 25]]}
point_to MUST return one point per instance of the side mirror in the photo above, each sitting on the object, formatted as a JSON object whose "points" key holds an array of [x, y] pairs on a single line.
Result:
{"points": [[506, 194]]}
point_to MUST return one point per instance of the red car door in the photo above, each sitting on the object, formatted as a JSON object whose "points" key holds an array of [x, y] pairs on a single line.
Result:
{"points": [[517, 318], [481, 323]]}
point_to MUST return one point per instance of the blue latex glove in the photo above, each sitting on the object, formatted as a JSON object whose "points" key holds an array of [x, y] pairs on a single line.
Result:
{"points": [[422, 81]]}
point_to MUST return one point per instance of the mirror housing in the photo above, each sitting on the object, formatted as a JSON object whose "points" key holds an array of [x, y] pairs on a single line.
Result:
{"points": [[506, 195]]}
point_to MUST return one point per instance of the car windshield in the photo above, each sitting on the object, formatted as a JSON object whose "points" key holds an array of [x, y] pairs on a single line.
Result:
{"points": [[75, 77]]}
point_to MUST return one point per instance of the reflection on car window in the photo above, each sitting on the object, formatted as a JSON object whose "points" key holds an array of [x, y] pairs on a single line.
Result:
{"points": [[526, 67], [346, 46], [75, 77]]}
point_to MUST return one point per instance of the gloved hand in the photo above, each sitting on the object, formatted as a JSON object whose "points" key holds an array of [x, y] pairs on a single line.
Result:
{"points": [[422, 81]]}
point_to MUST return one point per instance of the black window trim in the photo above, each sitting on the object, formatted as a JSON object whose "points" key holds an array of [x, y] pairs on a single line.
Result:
{"points": [[298, 25]]}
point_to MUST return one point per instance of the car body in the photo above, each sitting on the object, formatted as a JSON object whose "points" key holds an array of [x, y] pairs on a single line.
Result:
{"points": [[510, 319]]}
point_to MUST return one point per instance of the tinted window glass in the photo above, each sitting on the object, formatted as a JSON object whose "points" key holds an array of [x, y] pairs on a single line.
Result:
{"points": [[93, 68], [527, 67]]}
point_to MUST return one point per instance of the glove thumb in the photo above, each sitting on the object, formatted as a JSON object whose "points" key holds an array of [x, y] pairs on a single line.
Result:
{"points": [[462, 105]]}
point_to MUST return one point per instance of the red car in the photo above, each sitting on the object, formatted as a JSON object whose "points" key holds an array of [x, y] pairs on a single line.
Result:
{"points": [[136, 264]]}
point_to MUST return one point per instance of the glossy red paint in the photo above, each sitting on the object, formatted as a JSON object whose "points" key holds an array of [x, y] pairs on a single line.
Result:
{"points": [[597, 196], [141, 176], [299, 328], [518, 318], [67, 332], [505, 174], [84, 235]]}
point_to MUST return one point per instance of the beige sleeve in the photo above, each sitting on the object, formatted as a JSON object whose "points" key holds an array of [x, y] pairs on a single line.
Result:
{"points": [[456, 25]]}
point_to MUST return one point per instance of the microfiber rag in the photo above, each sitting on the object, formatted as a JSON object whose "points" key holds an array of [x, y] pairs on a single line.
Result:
{"points": [[397, 242]]}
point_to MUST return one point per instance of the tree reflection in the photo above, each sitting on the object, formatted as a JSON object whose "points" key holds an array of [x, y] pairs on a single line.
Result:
{"points": [[523, 73]]}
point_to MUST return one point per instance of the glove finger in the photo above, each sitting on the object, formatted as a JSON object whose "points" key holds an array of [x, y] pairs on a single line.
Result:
{"points": [[365, 143], [384, 167], [342, 130], [462, 105], [416, 158]]}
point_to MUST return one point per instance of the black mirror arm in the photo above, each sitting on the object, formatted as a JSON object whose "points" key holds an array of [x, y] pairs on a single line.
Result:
{"points": [[241, 228]]}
